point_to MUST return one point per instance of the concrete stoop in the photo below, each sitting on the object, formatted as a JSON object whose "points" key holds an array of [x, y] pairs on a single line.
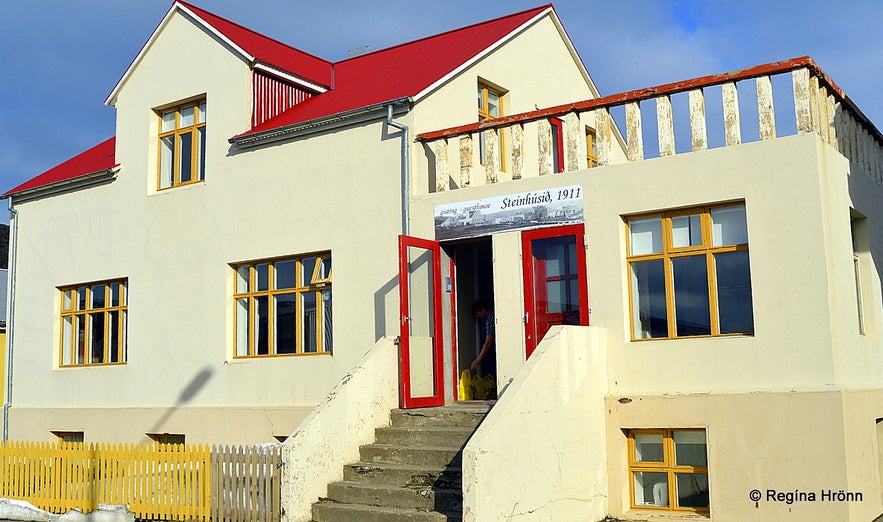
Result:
{"points": [[410, 473]]}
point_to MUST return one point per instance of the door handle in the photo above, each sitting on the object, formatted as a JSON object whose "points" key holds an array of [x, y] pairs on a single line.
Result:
{"points": [[526, 318]]}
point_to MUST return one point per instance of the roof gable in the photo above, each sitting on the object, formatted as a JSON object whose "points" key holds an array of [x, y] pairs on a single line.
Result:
{"points": [[260, 51], [407, 70], [99, 158]]}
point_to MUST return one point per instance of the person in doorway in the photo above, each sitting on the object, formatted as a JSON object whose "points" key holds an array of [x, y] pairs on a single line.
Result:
{"points": [[486, 358]]}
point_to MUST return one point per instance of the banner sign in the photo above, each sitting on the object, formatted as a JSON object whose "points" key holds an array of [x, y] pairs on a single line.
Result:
{"points": [[480, 217]]}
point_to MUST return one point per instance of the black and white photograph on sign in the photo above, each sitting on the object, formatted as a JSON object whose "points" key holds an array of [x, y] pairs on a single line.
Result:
{"points": [[540, 208]]}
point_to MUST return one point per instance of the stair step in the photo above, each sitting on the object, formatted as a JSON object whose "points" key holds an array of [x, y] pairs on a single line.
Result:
{"points": [[403, 474], [439, 456], [385, 495], [334, 512], [462, 415], [424, 436]]}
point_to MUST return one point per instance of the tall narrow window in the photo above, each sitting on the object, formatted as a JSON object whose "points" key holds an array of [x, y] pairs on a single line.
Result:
{"points": [[859, 232], [668, 469], [557, 125], [283, 306], [93, 323], [490, 105], [690, 273], [182, 145], [591, 148]]}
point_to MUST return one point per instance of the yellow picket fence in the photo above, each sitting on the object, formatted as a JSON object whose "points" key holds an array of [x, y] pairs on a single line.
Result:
{"points": [[157, 481]]}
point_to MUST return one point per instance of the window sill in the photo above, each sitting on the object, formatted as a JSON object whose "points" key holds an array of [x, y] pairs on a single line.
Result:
{"points": [[253, 358], [639, 515]]}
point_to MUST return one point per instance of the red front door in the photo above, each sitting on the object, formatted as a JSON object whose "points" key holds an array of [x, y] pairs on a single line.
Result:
{"points": [[555, 282], [421, 345]]}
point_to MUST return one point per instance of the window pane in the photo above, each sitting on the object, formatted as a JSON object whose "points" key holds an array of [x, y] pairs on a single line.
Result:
{"points": [[81, 339], [202, 113], [285, 273], [262, 325], [81, 298], [648, 447], [686, 231], [309, 265], [166, 162], [114, 294], [325, 269], [692, 489], [651, 488], [286, 323], [96, 335], [554, 254], [556, 296], [690, 448], [242, 326], [187, 115], [691, 296], [97, 296], [733, 275], [123, 339], [645, 236], [68, 297], [327, 342], [184, 161], [309, 322], [242, 279], [729, 226], [262, 277], [200, 154], [168, 121], [66, 329], [648, 300], [113, 328], [493, 104]]}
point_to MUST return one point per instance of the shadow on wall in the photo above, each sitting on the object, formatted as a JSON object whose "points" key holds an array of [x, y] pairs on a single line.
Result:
{"points": [[187, 395]]}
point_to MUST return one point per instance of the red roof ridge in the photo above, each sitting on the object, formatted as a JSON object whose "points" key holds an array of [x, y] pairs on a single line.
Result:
{"points": [[538, 10]]}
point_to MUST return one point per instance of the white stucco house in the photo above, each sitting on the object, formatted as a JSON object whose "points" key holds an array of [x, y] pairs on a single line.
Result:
{"points": [[273, 245]]}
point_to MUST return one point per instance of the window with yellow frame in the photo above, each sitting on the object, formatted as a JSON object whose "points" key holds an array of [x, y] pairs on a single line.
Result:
{"points": [[668, 469], [93, 323], [591, 148], [689, 273], [282, 306], [491, 105], [182, 145]]}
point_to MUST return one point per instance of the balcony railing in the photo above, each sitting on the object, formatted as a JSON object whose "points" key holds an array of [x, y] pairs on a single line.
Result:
{"points": [[559, 132]]}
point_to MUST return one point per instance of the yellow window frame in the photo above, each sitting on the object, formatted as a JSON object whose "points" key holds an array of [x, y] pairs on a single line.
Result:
{"points": [[669, 252], [197, 168], [71, 309], [484, 113], [668, 466], [591, 144], [319, 283]]}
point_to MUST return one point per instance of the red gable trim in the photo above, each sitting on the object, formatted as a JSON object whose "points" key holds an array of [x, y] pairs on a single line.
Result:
{"points": [[99, 158]]}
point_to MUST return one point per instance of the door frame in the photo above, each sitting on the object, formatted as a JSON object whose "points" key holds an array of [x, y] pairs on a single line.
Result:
{"points": [[438, 397], [529, 317]]}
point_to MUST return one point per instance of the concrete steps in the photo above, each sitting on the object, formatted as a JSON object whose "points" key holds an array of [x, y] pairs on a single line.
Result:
{"points": [[410, 473]]}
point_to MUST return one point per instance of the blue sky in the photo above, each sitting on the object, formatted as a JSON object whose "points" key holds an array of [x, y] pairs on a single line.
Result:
{"points": [[61, 58]]}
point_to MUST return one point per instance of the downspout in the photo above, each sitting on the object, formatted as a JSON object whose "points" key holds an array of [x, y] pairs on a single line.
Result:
{"points": [[10, 313], [406, 170]]}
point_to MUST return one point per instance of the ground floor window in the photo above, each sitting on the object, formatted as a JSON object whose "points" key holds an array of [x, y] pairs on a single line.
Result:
{"points": [[93, 323], [283, 306], [668, 469]]}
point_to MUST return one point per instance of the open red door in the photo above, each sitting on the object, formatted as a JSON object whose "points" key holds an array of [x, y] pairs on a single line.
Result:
{"points": [[555, 282], [421, 345]]}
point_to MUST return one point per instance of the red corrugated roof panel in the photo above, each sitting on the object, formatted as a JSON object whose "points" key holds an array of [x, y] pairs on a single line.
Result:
{"points": [[400, 71], [99, 158], [269, 51]]}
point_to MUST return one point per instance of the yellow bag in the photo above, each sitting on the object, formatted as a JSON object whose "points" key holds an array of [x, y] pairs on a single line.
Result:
{"points": [[484, 386], [467, 392]]}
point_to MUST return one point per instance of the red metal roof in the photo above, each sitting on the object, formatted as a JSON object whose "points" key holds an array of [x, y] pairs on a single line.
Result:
{"points": [[267, 50], [97, 159], [396, 72], [400, 71]]}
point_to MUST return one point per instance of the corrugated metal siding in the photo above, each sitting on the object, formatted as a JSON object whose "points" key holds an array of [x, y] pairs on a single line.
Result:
{"points": [[273, 97]]}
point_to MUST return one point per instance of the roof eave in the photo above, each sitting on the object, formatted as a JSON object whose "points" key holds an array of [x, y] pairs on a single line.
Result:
{"points": [[340, 119], [78, 182]]}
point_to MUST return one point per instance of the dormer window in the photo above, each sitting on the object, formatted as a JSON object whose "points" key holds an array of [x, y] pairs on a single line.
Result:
{"points": [[182, 145]]}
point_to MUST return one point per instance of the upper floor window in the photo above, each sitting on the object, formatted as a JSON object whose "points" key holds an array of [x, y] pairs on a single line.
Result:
{"points": [[93, 323], [690, 273], [283, 306], [182, 144], [591, 148], [668, 469], [490, 105]]}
